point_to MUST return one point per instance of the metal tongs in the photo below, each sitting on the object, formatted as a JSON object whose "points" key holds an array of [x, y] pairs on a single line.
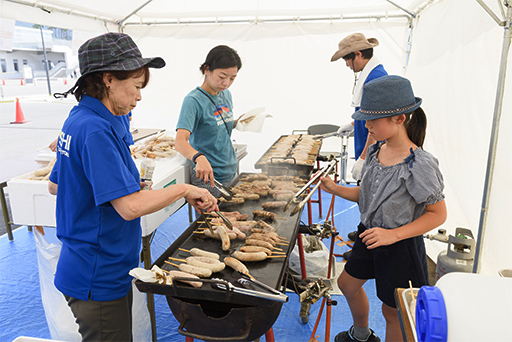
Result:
{"points": [[224, 191], [226, 285], [326, 170], [246, 279], [209, 224]]}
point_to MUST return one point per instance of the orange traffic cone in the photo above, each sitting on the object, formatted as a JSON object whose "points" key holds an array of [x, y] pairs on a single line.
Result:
{"points": [[21, 79], [20, 118]]}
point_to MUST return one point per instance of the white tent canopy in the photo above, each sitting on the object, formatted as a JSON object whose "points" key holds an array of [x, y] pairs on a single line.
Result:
{"points": [[451, 50]]}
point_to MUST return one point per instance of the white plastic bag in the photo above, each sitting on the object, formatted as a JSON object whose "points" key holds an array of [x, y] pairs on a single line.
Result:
{"points": [[317, 262], [59, 317]]}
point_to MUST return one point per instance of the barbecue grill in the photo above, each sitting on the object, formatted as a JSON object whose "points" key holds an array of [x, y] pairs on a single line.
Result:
{"points": [[214, 314], [287, 165]]}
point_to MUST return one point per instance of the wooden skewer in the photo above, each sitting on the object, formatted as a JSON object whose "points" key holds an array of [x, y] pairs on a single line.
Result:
{"points": [[170, 263], [279, 249], [182, 260], [412, 291], [278, 253], [184, 250], [276, 256], [282, 244], [202, 232], [281, 218]]}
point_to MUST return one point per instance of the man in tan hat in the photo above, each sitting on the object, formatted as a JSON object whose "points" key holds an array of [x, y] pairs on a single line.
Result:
{"points": [[357, 51]]}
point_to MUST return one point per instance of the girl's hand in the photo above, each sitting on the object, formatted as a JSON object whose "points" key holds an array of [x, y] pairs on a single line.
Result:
{"points": [[327, 184], [204, 170], [376, 237]]}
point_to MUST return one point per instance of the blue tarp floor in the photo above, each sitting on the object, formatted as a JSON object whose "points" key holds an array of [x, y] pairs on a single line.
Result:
{"points": [[22, 312]]}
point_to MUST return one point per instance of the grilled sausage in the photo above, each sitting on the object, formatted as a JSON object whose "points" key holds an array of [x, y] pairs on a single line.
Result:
{"points": [[254, 249], [265, 214], [200, 252], [234, 200], [266, 226], [268, 233], [216, 235], [263, 237], [181, 274], [273, 204], [213, 264], [224, 237], [258, 256], [195, 270], [254, 242], [248, 196], [237, 265]]}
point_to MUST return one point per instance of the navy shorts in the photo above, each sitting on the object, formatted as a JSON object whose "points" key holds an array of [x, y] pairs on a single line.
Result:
{"points": [[391, 266]]}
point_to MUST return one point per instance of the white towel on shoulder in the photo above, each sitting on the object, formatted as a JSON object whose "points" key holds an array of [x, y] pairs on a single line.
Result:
{"points": [[358, 91]]}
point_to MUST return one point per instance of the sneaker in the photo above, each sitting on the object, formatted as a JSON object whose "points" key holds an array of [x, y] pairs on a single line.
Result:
{"points": [[352, 235], [346, 336], [347, 254]]}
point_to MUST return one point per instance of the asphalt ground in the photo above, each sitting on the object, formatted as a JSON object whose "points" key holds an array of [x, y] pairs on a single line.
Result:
{"points": [[20, 142]]}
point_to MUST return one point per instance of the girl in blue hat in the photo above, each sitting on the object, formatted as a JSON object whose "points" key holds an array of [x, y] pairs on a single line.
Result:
{"points": [[400, 198]]}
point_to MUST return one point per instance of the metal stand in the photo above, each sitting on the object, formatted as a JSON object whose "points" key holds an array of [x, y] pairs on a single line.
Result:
{"points": [[320, 289], [146, 258], [5, 212], [344, 158]]}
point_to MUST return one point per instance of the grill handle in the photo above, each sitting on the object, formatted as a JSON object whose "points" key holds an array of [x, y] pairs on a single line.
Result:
{"points": [[213, 338], [283, 158]]}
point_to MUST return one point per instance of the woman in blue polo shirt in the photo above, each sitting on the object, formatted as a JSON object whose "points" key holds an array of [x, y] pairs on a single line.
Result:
{"points": [[99, 197], [203, 132]]}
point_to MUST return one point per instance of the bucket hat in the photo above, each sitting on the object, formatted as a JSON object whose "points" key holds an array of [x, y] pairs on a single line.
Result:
{"points": [[113, 52], [352, 43], [386, 96]]}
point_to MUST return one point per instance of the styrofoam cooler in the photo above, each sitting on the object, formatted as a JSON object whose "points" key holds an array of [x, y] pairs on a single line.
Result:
{"points": [[465, 307], [167, 172], [31, 203]]}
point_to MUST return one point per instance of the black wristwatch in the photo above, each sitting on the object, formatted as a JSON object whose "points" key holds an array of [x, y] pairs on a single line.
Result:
{"points": [[197, 155]]}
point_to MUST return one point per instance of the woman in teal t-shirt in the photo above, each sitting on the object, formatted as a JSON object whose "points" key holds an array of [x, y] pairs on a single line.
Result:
{"points": [[203, 133]]}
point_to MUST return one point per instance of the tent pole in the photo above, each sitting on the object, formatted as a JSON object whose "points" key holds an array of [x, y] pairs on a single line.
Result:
{"points": [[494, 137], [45, 62], [409, 45], [490, 12], [122, 21]]}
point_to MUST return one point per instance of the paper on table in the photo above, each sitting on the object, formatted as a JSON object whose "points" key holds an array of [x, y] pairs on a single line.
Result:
{"points": [[252, 121]]}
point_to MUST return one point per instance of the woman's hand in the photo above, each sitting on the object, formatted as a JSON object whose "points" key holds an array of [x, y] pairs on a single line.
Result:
{"points": [[376, 237], [204, 170], [201, 199], [53, 145]]}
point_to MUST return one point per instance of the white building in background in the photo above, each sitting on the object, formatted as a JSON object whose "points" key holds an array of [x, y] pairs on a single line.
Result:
{"points": [[22, 56]]}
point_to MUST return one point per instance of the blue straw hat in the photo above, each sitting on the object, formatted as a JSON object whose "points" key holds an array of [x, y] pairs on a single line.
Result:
{"points": [[386, 96]]}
